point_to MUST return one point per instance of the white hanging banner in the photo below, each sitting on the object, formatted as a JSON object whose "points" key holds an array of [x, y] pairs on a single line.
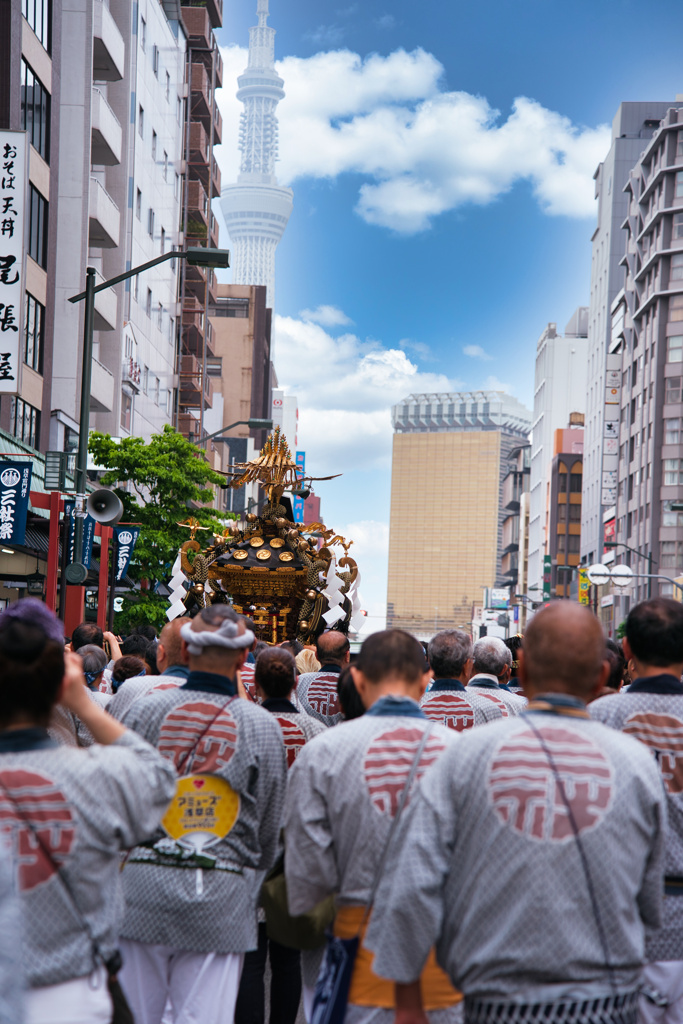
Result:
{"points": [[13, 205]]}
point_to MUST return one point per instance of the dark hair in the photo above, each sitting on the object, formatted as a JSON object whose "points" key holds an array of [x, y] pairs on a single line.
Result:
{"points": [[86, 633], [514, 644], [391, 652], [293, 646], [654, 630], [31, 671], [331, 646], [125, 668], [150, 657], [275, 672], [617, 663], [349, 697], [448, 653], [135, 644], [145, 629], [259, 646]]}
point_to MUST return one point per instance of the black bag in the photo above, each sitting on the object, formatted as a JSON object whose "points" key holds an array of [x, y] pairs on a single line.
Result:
{"points": [[334, 981]]}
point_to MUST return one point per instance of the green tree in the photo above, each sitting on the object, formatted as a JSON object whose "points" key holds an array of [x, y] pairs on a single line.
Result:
{"points": [[168, 480]]}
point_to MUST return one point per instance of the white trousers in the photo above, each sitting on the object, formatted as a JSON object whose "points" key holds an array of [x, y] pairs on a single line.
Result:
{"points": [[201, 988], [79, 1001], [666, 977]]}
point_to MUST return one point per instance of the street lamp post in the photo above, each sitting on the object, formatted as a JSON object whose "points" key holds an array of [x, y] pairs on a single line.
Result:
{"points": [[253, 424], [635, 551], [196, 256]]}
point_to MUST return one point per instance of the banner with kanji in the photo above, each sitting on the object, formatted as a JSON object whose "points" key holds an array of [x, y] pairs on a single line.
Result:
{"points": [[15, 486], [126, 537], [88, 534], [13, 198]]}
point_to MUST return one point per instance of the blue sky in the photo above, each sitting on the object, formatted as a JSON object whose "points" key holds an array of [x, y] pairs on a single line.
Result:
{"points": [[494, 213]]}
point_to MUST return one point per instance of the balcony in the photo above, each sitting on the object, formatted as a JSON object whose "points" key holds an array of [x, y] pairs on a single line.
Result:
{"points": [[199, 144], [198, 27], [101, 387], [131, 374], [200, 89], [218, 69], [108, 49], [191, 383], [212, 8], [216, 179], [104, 216], [107, 134], [106, 308], [197, 207], [195, 284], [188, 425], [217, 127], [193, 328]]}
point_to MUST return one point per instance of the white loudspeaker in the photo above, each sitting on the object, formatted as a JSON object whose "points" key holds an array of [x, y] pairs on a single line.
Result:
{"points": [[104, 506]]}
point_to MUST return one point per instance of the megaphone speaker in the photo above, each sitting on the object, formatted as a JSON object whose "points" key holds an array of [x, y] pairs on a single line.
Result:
{"points": [[104, 506]]}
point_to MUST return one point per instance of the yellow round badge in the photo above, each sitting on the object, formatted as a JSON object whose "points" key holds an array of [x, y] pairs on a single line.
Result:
{"points": [[203, 811]]}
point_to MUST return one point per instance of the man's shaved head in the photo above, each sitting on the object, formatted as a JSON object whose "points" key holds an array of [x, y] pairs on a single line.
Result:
{"points": [[331, 647], [564, 651], [169, 639]]}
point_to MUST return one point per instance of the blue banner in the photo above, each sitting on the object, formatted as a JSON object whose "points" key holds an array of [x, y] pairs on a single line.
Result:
{"points": [[15, 487], [126, 537], [88, 534], [298, 503]]}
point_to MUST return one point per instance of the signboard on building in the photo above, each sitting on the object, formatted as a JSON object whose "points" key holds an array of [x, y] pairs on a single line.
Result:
{"points": [[547, 576], [15, 486], [610, 533], [584, 587], [298, 503], [13, 205], [610, 440], [498, 597], [126, 537]]}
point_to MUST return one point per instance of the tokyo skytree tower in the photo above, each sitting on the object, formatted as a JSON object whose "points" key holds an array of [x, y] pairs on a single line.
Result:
{"points": [[256, 209]]}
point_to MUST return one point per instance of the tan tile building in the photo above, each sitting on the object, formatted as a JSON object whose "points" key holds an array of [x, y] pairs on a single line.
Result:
{"points": [[449, 459]]}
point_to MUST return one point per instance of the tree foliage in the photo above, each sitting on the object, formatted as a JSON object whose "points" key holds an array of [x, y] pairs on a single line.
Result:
{"points": [[168, 480]]}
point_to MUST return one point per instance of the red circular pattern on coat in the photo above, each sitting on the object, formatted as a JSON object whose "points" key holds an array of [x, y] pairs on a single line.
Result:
{"points": [[524, 792], [663, 734], [322, 695], [182, 727], [28, 797], [388, 761], [294, 738], [495, 699], [451, 710]]}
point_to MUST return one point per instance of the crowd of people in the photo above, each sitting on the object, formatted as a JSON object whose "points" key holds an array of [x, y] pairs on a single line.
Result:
{"points": [[489, 832]]}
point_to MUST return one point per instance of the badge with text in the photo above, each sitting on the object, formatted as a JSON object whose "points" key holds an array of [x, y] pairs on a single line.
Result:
{"points": [[202, 812]]}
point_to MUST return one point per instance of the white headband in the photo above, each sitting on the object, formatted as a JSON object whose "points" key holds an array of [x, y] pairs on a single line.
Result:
{"points": [[225, 636]]}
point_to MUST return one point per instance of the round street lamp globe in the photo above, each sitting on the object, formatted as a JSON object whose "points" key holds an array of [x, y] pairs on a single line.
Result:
{"points": [[598, 574], [622, 575]]}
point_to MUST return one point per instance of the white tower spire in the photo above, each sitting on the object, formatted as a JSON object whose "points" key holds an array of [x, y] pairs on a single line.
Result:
{"points": [[256, 209]]}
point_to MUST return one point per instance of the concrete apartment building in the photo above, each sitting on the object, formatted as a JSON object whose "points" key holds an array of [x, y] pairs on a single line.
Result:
{"points": [[565, 487], [514, 553], [559, 389], [632, 128], [647, 342], [450, 458]]}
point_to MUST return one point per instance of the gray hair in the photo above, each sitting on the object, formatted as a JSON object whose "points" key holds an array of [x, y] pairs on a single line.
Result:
{"points": [[491, 656], [448, 653], [94, 658]]}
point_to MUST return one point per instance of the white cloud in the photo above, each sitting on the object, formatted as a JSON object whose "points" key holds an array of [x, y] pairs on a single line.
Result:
{"points": [[345, 387], [493, 384], [476, 352], [327, 316], [422, 150], [386, 21], [328, 35]]}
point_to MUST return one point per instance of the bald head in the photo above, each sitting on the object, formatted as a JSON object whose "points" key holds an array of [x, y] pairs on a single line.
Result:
{"points": [[564, 652], [332, 647], [170, 648]]}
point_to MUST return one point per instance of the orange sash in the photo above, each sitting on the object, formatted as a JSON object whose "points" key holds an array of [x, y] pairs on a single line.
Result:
{"points": [[368, 989]]}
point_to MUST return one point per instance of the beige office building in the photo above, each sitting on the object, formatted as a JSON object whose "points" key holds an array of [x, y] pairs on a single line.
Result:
{"points": [[445, 543]]}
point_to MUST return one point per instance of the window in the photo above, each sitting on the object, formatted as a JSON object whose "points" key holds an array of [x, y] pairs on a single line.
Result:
{"points": [[561, 541], [165, 166], [163, 242], [561, 509], [575, 483], [562, 486], [148, 306], [574, 513], [138, 204], [160, 315], [676, 267], [38, 14], [673, 472], [176, 187], [679, 144], [35, 111], [679, 185], [156, 390], [145, 379], [671, 554], [143, 34], [37, 227], [674, 348], [179, 114], [126, 411], [141, 122], [676, 308], [168, 87], [154, 145], [673, 389], [670, 518], [171, 326], [25, 422], [34, 327], [678, 226], [631, 449], [136, 287], [155, 60], [214, 368], [573, 543], [150, 222], [672, 431]]}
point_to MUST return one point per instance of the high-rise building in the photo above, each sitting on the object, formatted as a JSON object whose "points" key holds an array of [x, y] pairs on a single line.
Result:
{"points": [[450, 457], [516, 519], [632, 127], [564, 506], [647, 346], [559, 389], [285, 415], [256, 209]]}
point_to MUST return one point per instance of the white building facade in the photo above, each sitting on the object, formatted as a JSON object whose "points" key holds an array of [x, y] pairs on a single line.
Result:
{"points": [[286, 416], [559, 389]]}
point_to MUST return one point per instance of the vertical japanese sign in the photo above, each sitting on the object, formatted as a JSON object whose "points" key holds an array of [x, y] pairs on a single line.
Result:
{"points": [[298, 505], [15, 485], [88, 534], [584, 588], [13, 202], [126, 537], [547, 576]]}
